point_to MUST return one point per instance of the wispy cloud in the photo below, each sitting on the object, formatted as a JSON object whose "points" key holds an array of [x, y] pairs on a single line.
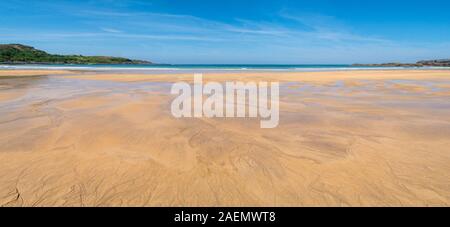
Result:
{"points": [[120, 23], [49, 36], [102, 13], [328, 28], [111, 30], [154, 25]]}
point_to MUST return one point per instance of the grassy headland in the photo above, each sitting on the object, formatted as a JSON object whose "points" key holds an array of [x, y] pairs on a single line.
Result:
{"points": [[22, 54]]}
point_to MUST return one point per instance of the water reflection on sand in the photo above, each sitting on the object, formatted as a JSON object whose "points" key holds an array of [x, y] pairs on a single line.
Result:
{"points": [[68, 140]]}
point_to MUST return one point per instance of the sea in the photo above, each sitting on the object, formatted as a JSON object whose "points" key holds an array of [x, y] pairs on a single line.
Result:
{"points": [[205, 68]]}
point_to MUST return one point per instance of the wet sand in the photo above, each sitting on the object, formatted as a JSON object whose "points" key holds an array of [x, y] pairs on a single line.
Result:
{"points": [[360, 138], [26, 73]]}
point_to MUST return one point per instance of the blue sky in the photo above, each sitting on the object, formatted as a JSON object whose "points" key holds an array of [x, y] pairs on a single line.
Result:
{"points": [[233, 32]]}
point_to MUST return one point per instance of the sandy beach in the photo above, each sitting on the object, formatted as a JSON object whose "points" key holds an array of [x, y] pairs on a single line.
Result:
{"points": [[347, 138]]}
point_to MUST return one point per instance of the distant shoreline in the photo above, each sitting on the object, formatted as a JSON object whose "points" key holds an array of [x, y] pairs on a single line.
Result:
{"points": [[177, 69], [426, 63]]}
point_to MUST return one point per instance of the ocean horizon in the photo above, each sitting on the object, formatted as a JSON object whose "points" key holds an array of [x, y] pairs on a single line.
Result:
{"points": [[184, 68]]}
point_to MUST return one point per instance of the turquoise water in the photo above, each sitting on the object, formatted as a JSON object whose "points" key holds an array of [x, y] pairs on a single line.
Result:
{"points": [[204, 67]]}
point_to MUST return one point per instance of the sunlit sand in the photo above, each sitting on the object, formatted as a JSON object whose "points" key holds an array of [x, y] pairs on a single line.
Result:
{"points": [[360, 138]]}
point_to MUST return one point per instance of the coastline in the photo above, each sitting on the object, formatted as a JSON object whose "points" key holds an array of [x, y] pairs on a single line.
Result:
{"points": [[164, 68]]}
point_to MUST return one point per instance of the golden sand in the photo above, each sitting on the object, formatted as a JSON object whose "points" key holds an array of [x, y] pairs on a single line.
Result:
{"points": [[312, 77], [362, 138]]}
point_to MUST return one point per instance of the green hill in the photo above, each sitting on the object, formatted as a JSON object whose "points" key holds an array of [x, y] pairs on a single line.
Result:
{"points": [[22, 54]]}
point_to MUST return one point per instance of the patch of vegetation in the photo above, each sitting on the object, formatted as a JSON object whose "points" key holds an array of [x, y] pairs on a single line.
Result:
{"points": [[22, 54]]}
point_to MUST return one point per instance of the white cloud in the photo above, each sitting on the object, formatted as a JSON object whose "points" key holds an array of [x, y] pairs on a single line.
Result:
{"points": [[111, 30]]}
